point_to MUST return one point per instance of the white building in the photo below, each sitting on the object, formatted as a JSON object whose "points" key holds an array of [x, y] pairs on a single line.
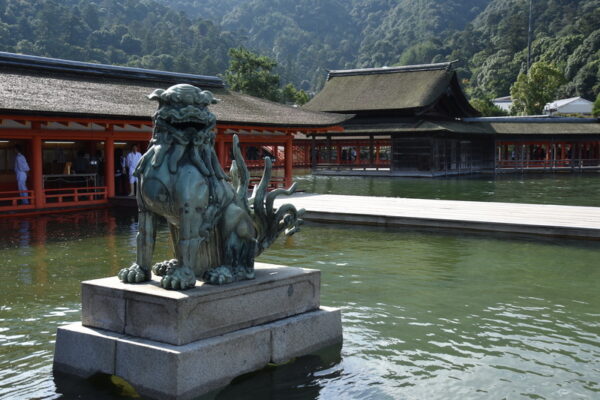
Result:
{"points": [[503, 103], [574, 105]]}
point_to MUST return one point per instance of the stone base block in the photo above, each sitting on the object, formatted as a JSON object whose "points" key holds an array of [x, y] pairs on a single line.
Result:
{"points": [[165, 371], [148, 311]]}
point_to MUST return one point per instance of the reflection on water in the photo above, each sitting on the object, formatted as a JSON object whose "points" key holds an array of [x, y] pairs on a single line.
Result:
{"points": [[425, 315], [560, 188]]}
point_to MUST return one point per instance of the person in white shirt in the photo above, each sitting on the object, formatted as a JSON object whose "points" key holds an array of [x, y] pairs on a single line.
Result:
{"points": [[133, 158], [21, 170]]}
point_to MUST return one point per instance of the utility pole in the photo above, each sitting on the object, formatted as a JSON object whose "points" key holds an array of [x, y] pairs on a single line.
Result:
{"points": [[529, 34]]}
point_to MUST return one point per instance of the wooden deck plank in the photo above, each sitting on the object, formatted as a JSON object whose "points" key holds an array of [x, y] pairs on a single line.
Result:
{"points": [[540, 219]]}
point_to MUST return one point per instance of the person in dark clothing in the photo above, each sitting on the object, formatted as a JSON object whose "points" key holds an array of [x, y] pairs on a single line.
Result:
{"points": [[81, 164]]}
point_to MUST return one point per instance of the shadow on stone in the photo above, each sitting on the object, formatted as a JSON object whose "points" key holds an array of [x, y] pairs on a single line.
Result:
{"points": [[97, 387], [293, 380]]}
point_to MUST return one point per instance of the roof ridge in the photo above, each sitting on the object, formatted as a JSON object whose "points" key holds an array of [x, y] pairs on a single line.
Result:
{"points": [[566, 101], [104, 70], [389, 70], [532, 119]]}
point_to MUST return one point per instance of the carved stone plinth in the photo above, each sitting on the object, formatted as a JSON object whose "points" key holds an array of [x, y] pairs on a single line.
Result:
{"points": [[179, 345]]}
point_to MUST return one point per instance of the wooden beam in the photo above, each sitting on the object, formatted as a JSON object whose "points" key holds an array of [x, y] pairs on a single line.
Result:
{"points": [[72, 134], [25, 118]]}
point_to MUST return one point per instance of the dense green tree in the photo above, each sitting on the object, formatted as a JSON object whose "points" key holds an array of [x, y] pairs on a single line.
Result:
{"points": [[308, 37], [534, 89], [596, 109], [487, 108], [114, 31], [420, 53], [252, 74], [291, 95]]}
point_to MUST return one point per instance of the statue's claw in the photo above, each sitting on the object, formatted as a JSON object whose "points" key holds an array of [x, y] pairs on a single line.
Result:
{"points": [[219, 275], [134, 274], [179, 278], [163, 268]]}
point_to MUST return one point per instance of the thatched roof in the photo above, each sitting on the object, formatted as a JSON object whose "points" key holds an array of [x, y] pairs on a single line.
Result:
{"points": [[58, 87], [513, 126], [411, 89]]}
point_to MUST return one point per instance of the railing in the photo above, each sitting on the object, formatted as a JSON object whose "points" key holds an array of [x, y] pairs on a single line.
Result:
{"points": [[75, 196], [12, 200], [382, 166], [256, 164], [274, 183], [562, 164]]}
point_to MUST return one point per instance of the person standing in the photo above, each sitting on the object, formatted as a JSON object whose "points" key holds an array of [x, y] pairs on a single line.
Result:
{"points": [[21, 170], [133, 158]]}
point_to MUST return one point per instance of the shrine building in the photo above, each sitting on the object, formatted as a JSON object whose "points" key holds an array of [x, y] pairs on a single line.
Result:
{"points": [[64, 114], [416, 121]]}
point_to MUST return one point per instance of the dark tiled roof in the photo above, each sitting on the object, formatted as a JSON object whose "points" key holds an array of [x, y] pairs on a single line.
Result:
{"points": [[84, 69], [376, 89], [64, 91]]}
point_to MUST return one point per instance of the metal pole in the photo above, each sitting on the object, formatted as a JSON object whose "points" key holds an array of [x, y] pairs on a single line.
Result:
{"points": [[529, 34]]}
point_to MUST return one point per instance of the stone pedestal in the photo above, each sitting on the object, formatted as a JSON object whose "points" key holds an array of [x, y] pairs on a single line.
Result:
{"points": [[178, 345]]}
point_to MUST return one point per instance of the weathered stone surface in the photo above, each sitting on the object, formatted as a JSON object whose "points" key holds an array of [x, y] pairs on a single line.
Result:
{"points": [[148, 311], [83, 351], [102, 307], [295, 336], [193, 369], [165, 371]]}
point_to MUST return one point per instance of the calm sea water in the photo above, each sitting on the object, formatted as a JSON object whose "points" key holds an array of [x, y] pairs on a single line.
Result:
{"points": [[560, 188], [426, 315]]}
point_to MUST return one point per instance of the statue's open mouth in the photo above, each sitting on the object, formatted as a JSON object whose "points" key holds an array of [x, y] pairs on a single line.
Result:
{"points": [[182, 118], [182, 125]]}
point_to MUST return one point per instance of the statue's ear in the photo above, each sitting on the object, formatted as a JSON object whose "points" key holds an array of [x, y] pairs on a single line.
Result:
{"points": [[156, 94]]}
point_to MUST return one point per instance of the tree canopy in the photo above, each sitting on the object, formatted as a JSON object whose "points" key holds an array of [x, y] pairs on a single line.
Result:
{"points": [[534, 89], [596, 108], [253, 74], [487, 108]]}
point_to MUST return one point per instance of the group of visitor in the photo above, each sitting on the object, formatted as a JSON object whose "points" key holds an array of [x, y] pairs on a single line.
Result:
{"points": [[123, 169]]}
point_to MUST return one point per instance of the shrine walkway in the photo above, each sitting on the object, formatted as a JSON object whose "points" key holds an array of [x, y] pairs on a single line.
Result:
{"points": [[538, 219]]}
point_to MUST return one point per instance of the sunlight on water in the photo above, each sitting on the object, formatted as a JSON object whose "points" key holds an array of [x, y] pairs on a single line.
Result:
{"points": [[425, 315], [564, 188]]}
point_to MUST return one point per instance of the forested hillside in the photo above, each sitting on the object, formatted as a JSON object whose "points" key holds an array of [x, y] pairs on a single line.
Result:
{"points": [[566, 33], [308, 37], [487, 37], [132, 32]]}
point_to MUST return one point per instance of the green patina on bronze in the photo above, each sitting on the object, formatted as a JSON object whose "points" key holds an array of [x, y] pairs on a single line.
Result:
{"points": [[216, 230]]}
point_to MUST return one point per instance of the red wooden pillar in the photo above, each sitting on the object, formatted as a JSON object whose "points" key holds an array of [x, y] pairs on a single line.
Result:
{"points": [[109, 166], [37, 171], [307, 153], [289, 161], [221, 148]]}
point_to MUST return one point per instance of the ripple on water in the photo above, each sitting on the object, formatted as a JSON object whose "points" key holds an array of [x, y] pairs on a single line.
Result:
{"points": [[434, 316]]}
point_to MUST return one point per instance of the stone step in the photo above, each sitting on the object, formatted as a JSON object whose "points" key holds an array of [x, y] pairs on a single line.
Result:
{"points": [[179, 317], [164, 371]]}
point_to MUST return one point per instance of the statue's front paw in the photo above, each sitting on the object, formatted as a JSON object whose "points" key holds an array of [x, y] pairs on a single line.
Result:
{"points": [[164, 267], [179, 278], [134, 274], [219, 275]]}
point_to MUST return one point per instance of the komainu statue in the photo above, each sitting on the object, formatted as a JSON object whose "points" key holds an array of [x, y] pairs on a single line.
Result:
{"points": [[216, 230]]}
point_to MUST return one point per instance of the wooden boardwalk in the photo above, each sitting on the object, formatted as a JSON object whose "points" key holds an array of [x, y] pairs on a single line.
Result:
{"points": [[539, 219]]}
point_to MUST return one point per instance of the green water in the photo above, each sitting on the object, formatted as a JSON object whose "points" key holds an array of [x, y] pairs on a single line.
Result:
{"points": [[560, 188], [426, 315]]}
